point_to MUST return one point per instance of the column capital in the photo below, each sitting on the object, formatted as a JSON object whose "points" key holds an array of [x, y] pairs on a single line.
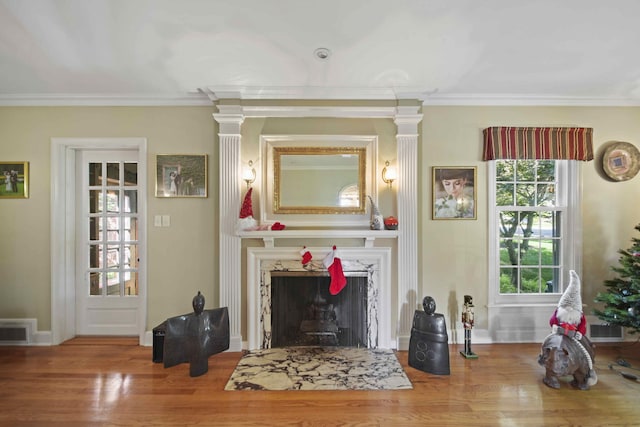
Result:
{"points": [[230, 119], [407, 119]]}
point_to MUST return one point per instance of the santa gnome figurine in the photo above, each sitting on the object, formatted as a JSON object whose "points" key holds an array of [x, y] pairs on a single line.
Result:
{"points": [[246, 221], [568, 319]]}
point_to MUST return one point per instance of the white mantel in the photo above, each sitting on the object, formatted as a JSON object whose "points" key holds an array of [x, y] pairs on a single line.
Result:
{"points": [[369, 236], [230, 118]]}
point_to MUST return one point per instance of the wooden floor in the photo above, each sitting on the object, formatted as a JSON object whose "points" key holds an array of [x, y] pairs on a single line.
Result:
{"points": [[113, 382]]}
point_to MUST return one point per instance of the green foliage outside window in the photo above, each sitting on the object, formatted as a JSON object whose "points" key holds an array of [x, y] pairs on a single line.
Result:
{"points": [[530, 234]]}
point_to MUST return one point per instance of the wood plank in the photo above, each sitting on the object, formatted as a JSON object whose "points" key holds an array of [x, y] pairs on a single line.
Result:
{"points": [[91, 381]]}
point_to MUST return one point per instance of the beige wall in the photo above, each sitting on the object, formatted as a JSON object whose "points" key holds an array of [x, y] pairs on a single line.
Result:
{"points": [[454, 253], [182, 259]]}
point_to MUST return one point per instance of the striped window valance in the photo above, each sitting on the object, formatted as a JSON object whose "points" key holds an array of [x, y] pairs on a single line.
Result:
{"points": [[538, 143]]}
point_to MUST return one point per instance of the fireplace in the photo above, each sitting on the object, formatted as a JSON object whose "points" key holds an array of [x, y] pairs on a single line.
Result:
{"points": [[303, 311], [363, 319]]}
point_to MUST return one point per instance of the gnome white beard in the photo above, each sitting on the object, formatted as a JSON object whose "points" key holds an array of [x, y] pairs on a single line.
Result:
{"points": [[569, 315], [247, 223]]}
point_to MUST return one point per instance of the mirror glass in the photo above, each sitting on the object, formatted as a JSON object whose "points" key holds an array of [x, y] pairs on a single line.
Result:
{"points": [[319, 180]]}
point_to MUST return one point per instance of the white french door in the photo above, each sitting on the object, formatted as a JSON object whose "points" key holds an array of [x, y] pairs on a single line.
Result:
{"points": [[108, 224]]}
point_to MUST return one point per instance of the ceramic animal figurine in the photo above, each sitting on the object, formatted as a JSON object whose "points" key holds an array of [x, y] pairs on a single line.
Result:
{"points": [[563, 356], [567, 351]]}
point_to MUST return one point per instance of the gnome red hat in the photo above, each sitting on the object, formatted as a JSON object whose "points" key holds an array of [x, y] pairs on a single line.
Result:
{"points": [[246, 220], [247, 206], [570, 304]]}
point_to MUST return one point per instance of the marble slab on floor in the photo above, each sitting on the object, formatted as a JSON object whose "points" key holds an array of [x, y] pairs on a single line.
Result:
{"points": [[319, 368]]}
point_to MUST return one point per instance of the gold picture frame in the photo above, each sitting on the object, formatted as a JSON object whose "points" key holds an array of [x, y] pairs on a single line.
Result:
{"points": [[314, 180], [14, 180], [453, 192], [181, 175]]}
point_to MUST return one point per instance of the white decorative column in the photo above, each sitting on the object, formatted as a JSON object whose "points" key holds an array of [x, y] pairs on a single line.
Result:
{"points": [[230, 118], [407, 120]]}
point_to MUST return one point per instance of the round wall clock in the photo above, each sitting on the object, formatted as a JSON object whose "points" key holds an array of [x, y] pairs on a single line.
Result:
{"points": [[621, 161]]}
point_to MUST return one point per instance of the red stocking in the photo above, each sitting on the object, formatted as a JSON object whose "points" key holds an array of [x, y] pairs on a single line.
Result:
{"points": [[334, 266], [306, 255]]}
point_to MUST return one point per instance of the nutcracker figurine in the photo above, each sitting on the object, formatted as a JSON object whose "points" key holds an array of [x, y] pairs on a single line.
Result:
{"points": [[467, 322]]}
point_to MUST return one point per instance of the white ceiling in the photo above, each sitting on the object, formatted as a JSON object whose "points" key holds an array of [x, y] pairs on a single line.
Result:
{"points": [[551, 52]]}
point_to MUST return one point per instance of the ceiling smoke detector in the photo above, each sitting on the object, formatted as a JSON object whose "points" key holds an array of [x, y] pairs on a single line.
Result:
{"points": [[322, 53]]}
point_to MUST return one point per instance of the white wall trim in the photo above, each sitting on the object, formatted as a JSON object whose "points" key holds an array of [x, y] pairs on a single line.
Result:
{"points": [[63, 152]]}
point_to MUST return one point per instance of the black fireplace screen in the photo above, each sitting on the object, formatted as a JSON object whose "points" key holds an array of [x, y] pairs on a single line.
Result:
{"points": [[303, 312]]}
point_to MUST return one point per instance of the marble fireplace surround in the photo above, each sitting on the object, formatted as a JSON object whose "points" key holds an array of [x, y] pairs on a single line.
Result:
{"points": [[374, 261]]}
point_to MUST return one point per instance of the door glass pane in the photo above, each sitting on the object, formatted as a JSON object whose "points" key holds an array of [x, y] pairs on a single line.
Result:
{"points": [[113, 283], [95, 283], [130, 256], [113, 228], [95, 174], [95, 228], [130, 282], [131, 201], [113, 201], [130, 174], [95, 256], [130, 228], [95, 201], [113, 173], [113, 256]]}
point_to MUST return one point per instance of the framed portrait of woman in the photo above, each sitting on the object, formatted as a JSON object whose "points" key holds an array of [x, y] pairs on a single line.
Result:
{"points": [[454, 195]]}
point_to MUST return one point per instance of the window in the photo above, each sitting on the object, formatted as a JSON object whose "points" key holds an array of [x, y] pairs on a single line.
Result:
{"points": [[534, 212]]}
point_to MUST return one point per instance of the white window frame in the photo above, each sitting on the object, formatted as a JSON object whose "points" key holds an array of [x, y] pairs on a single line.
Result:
{"points": [[569, 196]]}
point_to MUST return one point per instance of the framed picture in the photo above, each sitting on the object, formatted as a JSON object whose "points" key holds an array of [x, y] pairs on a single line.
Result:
{"points": [[14, 180], [454, 195], [181, 175]]}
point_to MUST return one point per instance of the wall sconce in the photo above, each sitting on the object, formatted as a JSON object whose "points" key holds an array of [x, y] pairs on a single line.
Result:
{"points": [[248, 173], [389, 174]]}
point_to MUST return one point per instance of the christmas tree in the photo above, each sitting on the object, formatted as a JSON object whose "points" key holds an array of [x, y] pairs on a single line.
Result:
{"points": [[622, 299]]}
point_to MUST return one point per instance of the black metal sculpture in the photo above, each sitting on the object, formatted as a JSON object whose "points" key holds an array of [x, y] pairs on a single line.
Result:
{"points": [[429, 342], [194, 337]]}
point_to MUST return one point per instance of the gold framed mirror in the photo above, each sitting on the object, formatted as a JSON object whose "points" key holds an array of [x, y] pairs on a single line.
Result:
{"points": [[319, 180]]}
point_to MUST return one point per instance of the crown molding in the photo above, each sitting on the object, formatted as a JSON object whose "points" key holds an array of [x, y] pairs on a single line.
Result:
{"points": [[527, 100], [103, 100], [333, 93], [209, 95]]}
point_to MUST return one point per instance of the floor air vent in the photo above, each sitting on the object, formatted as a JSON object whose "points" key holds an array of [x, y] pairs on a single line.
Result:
{"points": [[15, 331], [600, 331]]}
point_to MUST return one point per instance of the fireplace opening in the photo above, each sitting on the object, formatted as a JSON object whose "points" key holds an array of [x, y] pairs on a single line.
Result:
{"points": [[303, 312]]}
